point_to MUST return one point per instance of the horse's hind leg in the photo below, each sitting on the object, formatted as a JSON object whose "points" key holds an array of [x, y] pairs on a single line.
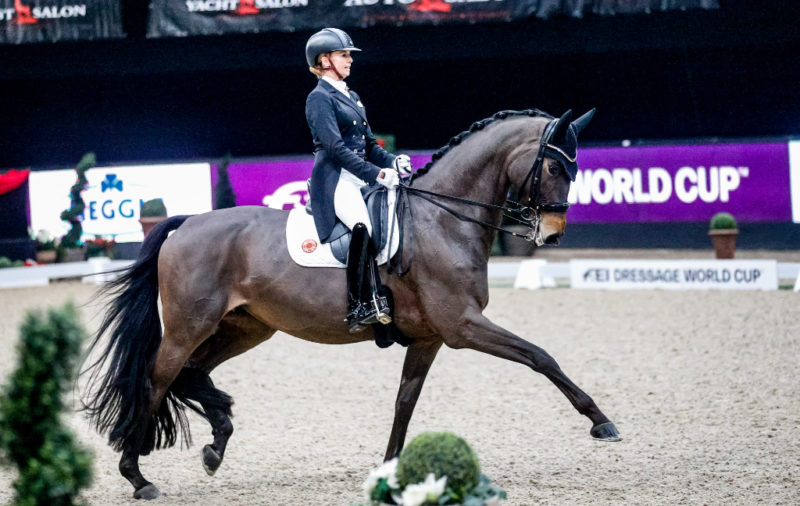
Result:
{"points": [[237, 333], [478, 333], [160, 425], [195, 386]]}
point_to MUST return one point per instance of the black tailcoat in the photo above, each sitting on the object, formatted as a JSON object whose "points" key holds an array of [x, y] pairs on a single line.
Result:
{"points": [[342, 140]]}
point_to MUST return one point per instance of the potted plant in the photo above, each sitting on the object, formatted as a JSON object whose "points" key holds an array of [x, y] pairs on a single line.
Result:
{"points": [[46, 246], [435, 468], [723, 232], [151, 214], [71, 248]]}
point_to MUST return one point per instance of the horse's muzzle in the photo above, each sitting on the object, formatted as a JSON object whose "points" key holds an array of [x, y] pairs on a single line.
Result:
{"points": [[552, 228]]}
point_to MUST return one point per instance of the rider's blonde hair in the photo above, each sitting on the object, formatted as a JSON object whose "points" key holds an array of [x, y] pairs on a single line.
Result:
{"points": [[316, 70]]}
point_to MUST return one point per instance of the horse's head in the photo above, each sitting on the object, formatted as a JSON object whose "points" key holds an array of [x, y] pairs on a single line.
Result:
{"points": [[545, 186]]}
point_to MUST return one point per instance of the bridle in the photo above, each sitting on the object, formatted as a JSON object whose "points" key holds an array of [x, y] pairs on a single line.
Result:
{"points": [[529, 214], [534, 195]]}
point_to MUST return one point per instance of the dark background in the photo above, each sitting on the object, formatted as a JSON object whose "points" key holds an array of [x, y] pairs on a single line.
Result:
{"points": [[726, 73], [731, 72]]}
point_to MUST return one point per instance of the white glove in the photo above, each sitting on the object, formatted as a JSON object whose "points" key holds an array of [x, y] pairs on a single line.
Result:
{"points": [[388, 178], [402, 164]]}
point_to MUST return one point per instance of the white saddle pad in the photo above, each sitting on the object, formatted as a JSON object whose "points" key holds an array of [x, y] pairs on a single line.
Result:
{"points": [[307, 250]]}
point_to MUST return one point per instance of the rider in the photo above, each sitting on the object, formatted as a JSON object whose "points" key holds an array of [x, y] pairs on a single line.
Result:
{"points": [[346, 158]]}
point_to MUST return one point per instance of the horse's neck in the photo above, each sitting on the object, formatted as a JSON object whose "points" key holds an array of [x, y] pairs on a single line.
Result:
{"points": [[476, 169]]}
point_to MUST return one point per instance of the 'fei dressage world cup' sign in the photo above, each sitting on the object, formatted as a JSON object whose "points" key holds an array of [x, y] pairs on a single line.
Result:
{"points": [[674, 274]]}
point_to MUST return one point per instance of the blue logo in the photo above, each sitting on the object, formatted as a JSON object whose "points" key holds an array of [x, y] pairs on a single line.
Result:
{"points": [[110, 183]]}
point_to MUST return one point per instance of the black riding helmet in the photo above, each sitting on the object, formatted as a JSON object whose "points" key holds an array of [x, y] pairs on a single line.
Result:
{"points": [[327, 40]]}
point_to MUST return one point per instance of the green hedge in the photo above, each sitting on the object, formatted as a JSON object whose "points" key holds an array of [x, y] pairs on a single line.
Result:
{"points": [[52, 467]]}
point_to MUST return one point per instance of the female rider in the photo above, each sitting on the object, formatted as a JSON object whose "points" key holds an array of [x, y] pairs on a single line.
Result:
{"points": [[346, 158]]}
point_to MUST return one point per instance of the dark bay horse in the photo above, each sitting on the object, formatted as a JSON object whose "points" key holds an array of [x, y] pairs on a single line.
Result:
{"points": [[227, 283]]}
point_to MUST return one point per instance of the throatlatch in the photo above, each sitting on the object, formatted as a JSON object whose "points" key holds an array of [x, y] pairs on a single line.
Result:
{"points": [[365, 304]]}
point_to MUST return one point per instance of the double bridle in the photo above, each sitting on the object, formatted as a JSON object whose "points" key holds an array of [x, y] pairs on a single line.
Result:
{"points": [[528, 214]]}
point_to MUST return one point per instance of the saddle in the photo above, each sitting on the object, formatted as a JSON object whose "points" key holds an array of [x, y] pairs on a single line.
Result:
{"points": [[377, 199]]}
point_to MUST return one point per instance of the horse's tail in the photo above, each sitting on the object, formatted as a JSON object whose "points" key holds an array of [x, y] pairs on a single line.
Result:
{"points": [[119, 401]]}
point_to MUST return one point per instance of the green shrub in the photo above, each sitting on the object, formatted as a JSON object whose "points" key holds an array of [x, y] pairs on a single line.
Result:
{"points": [[52, 468], [7, 262], [722, 221], [443, 454], [72, 215], [153, 208]]}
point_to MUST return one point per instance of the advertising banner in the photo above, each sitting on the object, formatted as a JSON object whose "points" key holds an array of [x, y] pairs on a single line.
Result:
{"points": [[25, 21], [682, 183], [280, 184], [635, 184], [115, 194], [206, 17], [674, 274]]}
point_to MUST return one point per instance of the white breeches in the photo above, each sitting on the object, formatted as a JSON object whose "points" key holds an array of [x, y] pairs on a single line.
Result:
{"points": [[348, 202]]}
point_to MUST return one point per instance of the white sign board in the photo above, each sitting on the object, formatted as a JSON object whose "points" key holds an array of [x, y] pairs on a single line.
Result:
{"points": [[794, 178], [114, 195], [674, 274]]}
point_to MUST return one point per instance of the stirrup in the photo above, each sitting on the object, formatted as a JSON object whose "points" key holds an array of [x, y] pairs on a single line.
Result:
{"points": [[376, 311], [354, 316]]}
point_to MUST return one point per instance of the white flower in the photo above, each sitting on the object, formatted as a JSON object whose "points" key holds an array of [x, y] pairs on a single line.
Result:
{"points": [[387, 470], [428, 491], [43, 235]]}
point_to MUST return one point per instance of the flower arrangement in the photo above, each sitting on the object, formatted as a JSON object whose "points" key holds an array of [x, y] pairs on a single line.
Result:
{"points": [[435, 468], [99, 247], [45, 241]]}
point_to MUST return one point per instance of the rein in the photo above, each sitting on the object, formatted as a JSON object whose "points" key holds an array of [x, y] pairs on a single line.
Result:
{"points": [[529, 214]]}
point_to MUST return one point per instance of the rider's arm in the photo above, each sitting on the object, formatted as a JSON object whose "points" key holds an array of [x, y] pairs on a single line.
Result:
{"points": [[325, 130]]}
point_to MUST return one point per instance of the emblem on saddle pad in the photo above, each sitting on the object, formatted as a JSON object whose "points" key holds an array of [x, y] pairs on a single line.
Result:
{"points": [[309, 245]]}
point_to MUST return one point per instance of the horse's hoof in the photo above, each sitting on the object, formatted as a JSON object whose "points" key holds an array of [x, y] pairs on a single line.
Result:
{"points": [[211, 460], [605, 432], [148, 492]]}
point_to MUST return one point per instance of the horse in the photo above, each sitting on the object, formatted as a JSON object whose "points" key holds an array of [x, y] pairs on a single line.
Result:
{"points": [[226, 284]]}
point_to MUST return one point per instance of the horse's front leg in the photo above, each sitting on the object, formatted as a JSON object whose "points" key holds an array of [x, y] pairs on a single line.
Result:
{"points": [[419, 357], [478, 333]]}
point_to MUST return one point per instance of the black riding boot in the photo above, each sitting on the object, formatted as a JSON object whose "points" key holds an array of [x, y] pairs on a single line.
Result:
{"points": [[355, 277], [376, 307], [365, 304]]}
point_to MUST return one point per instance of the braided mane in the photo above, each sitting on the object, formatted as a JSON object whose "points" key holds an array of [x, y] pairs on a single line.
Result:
{"points": [[475, 127]]}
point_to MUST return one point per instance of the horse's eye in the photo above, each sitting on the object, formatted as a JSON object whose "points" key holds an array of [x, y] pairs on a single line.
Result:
{"points": [[554, 168]]}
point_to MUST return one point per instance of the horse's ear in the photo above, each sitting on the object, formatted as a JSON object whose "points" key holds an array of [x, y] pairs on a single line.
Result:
{"points": [[584, 120], [562, 125]]}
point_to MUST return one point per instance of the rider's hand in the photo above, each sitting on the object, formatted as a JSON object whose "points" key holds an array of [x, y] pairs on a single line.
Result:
{"points": [[402, 164], [388, 178]]}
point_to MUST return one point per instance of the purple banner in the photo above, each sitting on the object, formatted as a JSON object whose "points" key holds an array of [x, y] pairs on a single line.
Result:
{"points": [[682, 183], [279, 184], [634, 184]]}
